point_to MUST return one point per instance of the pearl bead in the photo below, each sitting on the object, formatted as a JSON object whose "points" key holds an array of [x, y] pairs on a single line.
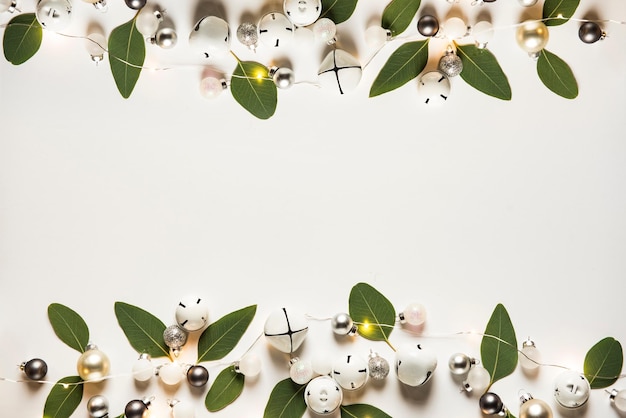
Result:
{"points": [[478, 379], [93, 364], [618, 397], [143, 369], [531, 357], [455, 28], [197, 376], [460, 364], [342, 324], [534, 408], [35, 369], [490, 404], [171, 373], [532, 36], [414, 314], [301, 371], [249, 365], [98, 406]]}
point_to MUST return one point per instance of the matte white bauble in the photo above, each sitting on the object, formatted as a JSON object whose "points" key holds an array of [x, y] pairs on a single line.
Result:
{"points": [[210, 37], [414, 365], [302, 12], [351, 372], [275, 30], [192, 313]]}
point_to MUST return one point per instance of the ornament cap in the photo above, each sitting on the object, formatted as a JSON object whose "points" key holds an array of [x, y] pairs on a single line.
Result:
{"points": [[528, 343], [525, 397], [91, 346], [612, 394], [144, 356]]}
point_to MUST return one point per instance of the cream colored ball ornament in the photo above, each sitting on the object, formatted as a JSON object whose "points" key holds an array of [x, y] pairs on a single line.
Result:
{"points": [[532, 36], [93, 364], [533, 408], [340, 72], [286, 330], [414, 365], [302, 12], [210, 37]]}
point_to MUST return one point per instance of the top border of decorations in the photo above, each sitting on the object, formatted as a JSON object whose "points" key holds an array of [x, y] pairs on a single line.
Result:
{"points": [[255, 85]]}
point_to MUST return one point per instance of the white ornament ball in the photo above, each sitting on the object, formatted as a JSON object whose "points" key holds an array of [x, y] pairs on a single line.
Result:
{"points": [[192, 313], [302, 12], [147, 22], [322, 363], [211, 87], [301, 371], [183, 410], [414, 365], [54, 15], [143, 369], [376, 36], [304, 37], [210, 37], [478, 380], [530, 358], [286, 330], [527, 3], [250, 365], [171, 373], [618, 397], [351, 372], [325, 30], [434, 88], [571, 389], [455, 28], [482, 33], [275, 30], [340, 71], [414, 314], [323, 395]]}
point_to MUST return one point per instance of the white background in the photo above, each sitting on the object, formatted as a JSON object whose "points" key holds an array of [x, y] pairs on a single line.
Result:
{"points": [[460, 207]]}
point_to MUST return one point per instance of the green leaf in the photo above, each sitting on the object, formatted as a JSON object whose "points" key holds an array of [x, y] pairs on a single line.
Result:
{"points": [[603, 363], [498, 349], [373, 313], [22, 38], [482, 71], [62, 400], [286, 400], [509, 414], [403, 65], [127, 52], [398, 15], [556, 75], [253, 89], [223, 335], [143, 330], [559, 11], [227, 387], [338, 10], [69, 326], [362, 411]]}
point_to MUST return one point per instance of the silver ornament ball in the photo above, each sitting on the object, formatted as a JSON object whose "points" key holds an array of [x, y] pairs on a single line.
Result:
{"points": [[490, 404], [174, 337], [283, 77], [450, 64], [342, 324], [166, 38], [98, 406], [378, 367], [197, 376], [35, 369], [428, 25], [459, 364], [247, 34], [590, 32], [135, 4]]}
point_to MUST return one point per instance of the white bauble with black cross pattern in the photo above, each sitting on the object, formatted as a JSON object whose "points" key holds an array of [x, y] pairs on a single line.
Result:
{"points": [[286, 330], [275, 30], [340, 71], [210, 37], [302, 12], [351, 372], [434, 88], [192, 313]]}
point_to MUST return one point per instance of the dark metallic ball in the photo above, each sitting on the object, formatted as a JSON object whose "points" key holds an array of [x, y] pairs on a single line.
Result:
{"points": [[428, 25], [590, 32], [135, 4], [135, 409], [490, 403], [197, 376], [35, 369]]}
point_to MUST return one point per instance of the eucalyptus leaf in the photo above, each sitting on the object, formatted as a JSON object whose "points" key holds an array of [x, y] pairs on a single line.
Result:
{"points": [[482, 71], [286, 400], [22, 38], [143, 330], [338, 10], [254, 89], [559, 11], [557, 75], [362, 410], [372, 311], [63, 400], [127, 53], [398, 15], [223, 335], [498, 348], [69, 326], [603, 363], [403, 65], [227, 387]]}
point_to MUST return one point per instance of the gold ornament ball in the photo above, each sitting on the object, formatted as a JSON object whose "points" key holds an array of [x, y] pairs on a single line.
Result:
{"points": [[93, 364], [532, 36], [535, 408]]}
